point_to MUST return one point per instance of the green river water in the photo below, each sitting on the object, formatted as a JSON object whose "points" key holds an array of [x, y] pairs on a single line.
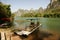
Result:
{"points": [[47, 23]]}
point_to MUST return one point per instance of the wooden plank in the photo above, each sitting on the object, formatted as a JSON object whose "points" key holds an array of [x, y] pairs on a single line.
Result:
{"points": [[8, 36], [2, 36], [16, 38]]}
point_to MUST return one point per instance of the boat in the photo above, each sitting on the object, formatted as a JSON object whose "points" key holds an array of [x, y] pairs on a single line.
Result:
{"points": [[25, 32]]}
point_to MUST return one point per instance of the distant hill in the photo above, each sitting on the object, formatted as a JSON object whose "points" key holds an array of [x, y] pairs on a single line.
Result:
{"points": [[52, 10], [54, 7], [54, 4], [33, 11]]}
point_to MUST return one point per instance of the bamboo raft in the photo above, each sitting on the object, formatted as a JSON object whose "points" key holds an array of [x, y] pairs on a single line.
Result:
{"points": [[4, 36]]}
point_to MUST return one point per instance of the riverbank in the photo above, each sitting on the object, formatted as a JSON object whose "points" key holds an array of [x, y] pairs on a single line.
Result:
{"points": [[33, 36]]}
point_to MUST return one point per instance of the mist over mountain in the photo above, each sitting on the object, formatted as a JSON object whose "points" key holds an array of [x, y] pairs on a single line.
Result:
{"points": [[24, 11]]}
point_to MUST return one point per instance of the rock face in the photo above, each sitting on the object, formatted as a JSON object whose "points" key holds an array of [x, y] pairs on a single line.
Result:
{"points": [[54, 4]]}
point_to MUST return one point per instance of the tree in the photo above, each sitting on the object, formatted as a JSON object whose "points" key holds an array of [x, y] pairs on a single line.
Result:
{"points": [[5, 13], [4, 10]]}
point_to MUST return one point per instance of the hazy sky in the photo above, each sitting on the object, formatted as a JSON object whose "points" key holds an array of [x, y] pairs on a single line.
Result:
{"points": [[26, 4]]}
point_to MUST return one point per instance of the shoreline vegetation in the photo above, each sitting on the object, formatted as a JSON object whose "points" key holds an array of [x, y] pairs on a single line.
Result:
{"points": [[6, 17]]}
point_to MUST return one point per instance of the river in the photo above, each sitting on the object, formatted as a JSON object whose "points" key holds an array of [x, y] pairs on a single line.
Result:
{"points": [[52, 24]]}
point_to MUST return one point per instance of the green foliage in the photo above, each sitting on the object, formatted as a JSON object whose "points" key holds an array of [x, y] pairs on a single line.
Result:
{"points": [[5, 12], [31, 15], [52, 15], [27, 15], [46, 15], [37, 15], [52, 12]]}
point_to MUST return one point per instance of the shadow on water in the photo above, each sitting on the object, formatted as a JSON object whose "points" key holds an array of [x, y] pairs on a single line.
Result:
{"points": [[39, 35]]}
